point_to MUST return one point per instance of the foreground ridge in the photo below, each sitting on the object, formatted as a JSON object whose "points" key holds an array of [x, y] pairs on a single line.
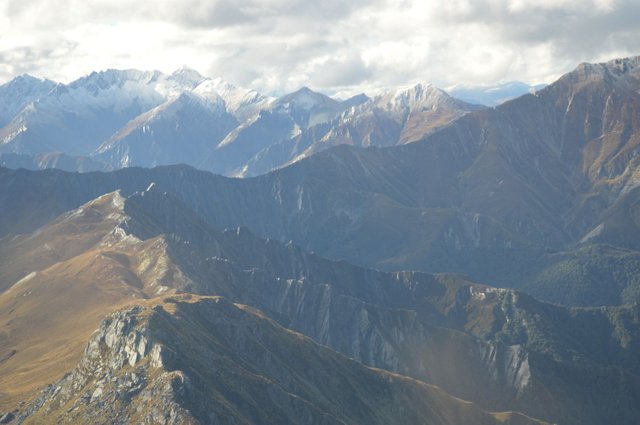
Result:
{"points": [[187, 359]]}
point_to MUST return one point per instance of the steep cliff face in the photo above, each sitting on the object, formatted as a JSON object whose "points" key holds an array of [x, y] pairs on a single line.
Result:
{"points": [[204, 360]]}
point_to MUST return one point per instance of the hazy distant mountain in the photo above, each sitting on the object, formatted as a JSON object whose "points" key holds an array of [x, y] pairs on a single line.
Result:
{"points": [[240, 102], [77, 118], [19, 92], [492, 95], [281, 120], [393, 118], [210, 305], [129, 118], [180, 130], [528, 194]]}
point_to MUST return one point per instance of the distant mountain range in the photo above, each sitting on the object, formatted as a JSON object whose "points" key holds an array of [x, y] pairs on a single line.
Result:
{"points": [[340, 287], [536, 194], [114, 119]]}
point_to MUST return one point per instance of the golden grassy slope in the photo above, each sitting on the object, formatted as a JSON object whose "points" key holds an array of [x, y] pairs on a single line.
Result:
{"points": [[88, 268]]}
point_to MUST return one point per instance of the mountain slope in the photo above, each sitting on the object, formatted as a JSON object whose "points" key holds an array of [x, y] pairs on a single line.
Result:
{"points": [[505, 195], [242, 369], [19, 92], [57, 285], [280, 120], [75, 119], [56, 160], [180, 130], [498, 348], [397, 117], [101, 108], [106, 254], [109, 115]]}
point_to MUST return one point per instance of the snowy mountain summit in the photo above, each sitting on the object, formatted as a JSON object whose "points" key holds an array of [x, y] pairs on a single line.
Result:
{"points": [[124, 118]]}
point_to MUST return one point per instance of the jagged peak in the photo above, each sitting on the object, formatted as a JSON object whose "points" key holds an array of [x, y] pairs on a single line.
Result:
{"points": [[114, 77], [107, 209], [302, 93], [306, 99], [421, 91], [356, 100], [20, 93], [221, 84], [617, 66], [235, 98], [111, 199], [187, 75], [189, 97], [422, 95], [305, 89], [614, 70], [28, 79]]}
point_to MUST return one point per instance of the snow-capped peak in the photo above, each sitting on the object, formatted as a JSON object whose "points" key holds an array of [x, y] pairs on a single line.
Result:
{"points": [[240, 101], [25, 85], [27, 80], [187, 76], [18, 93], [213, 101], [185, 101], [616, 70], [421, 95], [103, 80], [305, 99]]}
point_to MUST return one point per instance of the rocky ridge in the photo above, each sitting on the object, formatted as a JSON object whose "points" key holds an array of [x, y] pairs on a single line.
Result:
{"points": [[136, 369], [497, 348]]}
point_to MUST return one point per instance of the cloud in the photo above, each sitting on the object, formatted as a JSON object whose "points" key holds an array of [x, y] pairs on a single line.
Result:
{"points": [[279, 45], [340, 71]]}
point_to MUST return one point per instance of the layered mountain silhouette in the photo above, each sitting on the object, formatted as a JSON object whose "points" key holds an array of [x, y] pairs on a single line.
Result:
{"points": [[497, 348], [122, 118], [527, 194], [285, 297]]}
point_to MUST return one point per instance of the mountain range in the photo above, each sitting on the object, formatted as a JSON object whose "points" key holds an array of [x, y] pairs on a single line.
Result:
{"points": [[340, 285], [122, 118], [536, 194], [499, 348]]}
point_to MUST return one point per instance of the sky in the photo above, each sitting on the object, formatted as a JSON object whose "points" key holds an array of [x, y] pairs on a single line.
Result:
{"points": [[334, 46]]}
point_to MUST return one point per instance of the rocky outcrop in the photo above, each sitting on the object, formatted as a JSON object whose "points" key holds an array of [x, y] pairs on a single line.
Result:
{"points": [[113, 383], [206, 361]]}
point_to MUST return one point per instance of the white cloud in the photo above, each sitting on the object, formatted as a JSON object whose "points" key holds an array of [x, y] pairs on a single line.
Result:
{"points": [[279, 45]]}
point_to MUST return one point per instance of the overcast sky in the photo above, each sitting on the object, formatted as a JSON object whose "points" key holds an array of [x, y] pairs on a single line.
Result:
{"points": [[329, 45]]}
